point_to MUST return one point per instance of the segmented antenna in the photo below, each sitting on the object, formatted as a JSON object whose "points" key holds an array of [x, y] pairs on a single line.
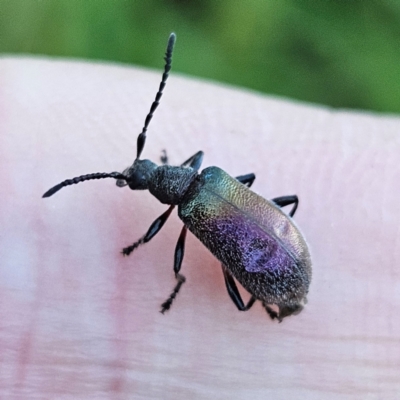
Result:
{"points": [[141, 140], [82, 178]]}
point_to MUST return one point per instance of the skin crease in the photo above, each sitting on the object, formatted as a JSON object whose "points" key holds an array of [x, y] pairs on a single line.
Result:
{"points": [[80, 321]]}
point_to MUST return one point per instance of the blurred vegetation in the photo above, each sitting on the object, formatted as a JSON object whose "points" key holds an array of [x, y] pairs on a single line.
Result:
{"points": [[342, 53]]}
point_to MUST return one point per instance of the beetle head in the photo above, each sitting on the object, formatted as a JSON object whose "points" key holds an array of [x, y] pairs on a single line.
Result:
{"points": [[137, 175]]}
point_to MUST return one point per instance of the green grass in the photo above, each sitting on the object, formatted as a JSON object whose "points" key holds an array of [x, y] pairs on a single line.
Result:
{"points": [[342, 53]]}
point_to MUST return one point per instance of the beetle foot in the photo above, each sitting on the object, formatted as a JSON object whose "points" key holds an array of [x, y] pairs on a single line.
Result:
{"points": [[164, 157], [167, 304], [128, 250]]}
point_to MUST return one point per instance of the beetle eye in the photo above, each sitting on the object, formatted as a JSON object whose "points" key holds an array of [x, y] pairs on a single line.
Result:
{"points": [[136, 181], [121, 182]]}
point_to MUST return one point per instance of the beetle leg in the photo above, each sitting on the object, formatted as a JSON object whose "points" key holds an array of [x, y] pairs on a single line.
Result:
{"points": [[247, 179], [194, 161], [164, 157], [234, 292], [155, 227], [286, 201], [180, 250], [178, 258]]}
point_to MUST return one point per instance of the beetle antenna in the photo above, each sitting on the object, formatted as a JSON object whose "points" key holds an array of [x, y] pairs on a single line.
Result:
{"points": [[168, 63], [82, 178]]}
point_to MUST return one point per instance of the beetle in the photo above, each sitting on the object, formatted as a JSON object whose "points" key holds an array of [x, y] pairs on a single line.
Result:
{"points": [[257, 243]]}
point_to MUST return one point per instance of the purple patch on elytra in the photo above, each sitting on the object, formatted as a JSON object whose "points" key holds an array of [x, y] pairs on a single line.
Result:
{"points": [[256, 249], [257, 261], [266, 254]]}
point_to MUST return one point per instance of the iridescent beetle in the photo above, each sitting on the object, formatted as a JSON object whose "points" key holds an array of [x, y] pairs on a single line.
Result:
{"points": [[255, 241]]}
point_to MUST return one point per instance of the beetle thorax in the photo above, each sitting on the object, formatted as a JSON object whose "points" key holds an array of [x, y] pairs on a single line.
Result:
{"points": [[169, 184]]}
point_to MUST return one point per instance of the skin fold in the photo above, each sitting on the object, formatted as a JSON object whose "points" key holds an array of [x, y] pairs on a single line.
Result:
{"points": [[78, 320]]}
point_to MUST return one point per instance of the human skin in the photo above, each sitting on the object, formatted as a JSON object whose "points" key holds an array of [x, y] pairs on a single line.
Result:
{"points": [[80, 321]]}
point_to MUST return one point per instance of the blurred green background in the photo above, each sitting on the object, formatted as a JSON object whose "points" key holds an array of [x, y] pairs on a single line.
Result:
{"points": [[342, 53]]}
